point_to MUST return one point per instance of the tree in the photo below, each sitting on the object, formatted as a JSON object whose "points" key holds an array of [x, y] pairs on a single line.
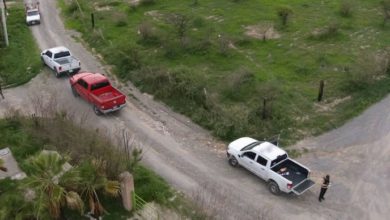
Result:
{"points": [[181, 24], [47, 181]]}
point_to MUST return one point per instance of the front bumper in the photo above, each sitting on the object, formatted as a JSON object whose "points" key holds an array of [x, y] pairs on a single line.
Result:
{"points": [[33, 22]]}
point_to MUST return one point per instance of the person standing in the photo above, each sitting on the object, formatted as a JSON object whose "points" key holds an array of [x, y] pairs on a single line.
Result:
{"points": [[324, 187]]}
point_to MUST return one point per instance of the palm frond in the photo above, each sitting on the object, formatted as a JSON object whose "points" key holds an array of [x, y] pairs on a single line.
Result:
{"points": [[74, 201], [112, 188]]}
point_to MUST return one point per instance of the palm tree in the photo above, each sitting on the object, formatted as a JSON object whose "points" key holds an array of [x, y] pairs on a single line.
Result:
{"points": [[94, 180], [48, 180]]}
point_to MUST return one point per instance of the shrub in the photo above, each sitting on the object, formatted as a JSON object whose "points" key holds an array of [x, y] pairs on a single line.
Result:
{"points": [[224, 44], [237, 83], [330, 31], [368, 69], [147, 33], [346, 9], [284, 12], [119, 19], [180, 22]]}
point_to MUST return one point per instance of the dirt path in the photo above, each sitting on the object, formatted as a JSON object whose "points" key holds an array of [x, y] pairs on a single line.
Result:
{"points": [[356, 155]]}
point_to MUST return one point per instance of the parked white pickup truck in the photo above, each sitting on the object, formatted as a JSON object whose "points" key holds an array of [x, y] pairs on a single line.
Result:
{"points": [[270, 163], [60, 60]]}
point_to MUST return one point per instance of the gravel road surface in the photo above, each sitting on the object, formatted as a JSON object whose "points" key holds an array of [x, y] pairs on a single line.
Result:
{"points": [[355, 155]]}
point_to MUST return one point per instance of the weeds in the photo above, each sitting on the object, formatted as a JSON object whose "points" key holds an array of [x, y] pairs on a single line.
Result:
{"points": [[346, 9]]}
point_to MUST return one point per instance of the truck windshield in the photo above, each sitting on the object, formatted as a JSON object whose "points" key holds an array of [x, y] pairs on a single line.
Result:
{"points": [[32, 13], [278, 159], [99, 85], [61, 54], [250, 146]]}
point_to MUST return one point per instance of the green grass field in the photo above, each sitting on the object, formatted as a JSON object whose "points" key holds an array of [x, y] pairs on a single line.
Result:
{"points": [[19, 62], [196, 57]]}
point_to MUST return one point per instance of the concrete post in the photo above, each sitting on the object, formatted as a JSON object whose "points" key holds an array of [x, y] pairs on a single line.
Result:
{"points": [[127, 189], [3, 19]]}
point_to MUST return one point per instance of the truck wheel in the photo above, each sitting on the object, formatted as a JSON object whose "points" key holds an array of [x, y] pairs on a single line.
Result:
{"points": [[233, 161], [273, 188], [43, 62], [96, 110], [57, 74], [75, 94]]}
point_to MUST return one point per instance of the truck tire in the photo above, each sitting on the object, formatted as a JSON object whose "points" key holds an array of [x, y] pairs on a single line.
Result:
{"points": [[74, 92], [57, 73], [233, 161], [273, 187], [43, 62], [96, 110]]}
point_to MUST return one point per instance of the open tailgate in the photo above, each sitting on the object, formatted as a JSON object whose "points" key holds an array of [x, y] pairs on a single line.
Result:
{"points": [[303, 186]]}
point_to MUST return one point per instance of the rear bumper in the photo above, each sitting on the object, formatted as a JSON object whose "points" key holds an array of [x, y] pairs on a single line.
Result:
{"points": [[117, 108], [70, 72]]}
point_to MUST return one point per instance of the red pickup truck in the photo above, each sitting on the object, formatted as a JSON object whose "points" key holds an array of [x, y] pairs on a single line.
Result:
{"points": [[96, 89]]}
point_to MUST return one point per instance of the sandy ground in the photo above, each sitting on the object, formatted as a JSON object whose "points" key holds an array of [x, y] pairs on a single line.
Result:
{"points": [[355, 155]]}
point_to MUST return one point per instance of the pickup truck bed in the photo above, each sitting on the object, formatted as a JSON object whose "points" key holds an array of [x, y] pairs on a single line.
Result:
{"points": [[295, 173], [63, 61]]}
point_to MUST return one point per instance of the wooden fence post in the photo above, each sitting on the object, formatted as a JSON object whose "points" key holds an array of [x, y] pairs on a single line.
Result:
{"points": [[321, 91], [93, 20], [127, 190]]}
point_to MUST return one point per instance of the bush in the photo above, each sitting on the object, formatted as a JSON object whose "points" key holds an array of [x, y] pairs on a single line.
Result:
{"points": [[119, 19], [147, 33], [237, 83], [368, 69], [346, 9], [284, 12], [331, 31]]}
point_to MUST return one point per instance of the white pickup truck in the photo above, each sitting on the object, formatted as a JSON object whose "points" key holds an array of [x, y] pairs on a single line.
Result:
{"points": [[60, 60], [270, 163], [33, 15]]}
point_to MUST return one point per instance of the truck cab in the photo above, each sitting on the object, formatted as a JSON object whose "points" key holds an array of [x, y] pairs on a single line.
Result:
{"points": [[270, 163]]}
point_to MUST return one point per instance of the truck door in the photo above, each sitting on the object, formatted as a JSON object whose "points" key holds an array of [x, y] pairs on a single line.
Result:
{"points": [[260, 167], [47, 58], [82, 88], [248, 160]]}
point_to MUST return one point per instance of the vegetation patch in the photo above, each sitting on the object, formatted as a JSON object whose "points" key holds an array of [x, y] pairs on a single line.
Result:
{"points": [[19, 62], [96, 165], [191, 55]]}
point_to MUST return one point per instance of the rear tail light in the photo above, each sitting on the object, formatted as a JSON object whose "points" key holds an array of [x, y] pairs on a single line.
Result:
{"points": [[59, 68], [289, 185]]}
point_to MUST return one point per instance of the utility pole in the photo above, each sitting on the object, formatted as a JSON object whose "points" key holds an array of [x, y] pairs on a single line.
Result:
{"points": [[3, 19], [5, 6]]}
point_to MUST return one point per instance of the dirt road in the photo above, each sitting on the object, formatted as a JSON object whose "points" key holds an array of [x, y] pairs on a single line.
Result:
{"points": [[355, 155]]}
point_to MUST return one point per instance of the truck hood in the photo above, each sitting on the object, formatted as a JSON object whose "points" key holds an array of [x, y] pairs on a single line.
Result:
{"points": [[240, 143], [33, 18]]}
